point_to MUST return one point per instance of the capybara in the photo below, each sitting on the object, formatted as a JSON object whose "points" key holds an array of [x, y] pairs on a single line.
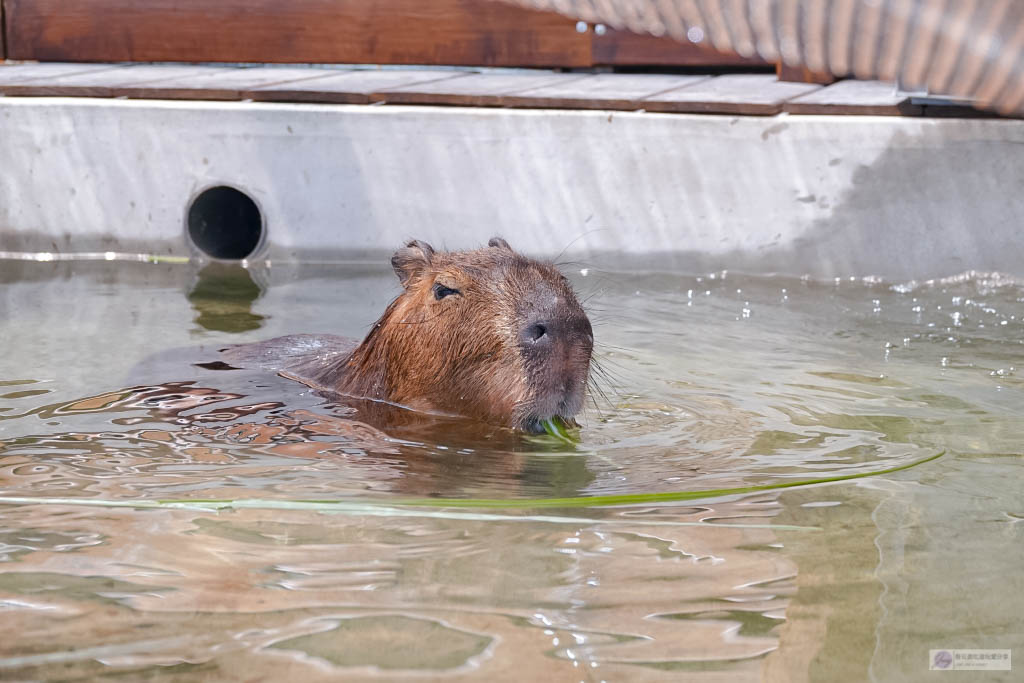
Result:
{"points": [[487, 334]]}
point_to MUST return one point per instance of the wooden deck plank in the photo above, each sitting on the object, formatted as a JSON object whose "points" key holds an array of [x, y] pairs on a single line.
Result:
{"points": [[870, 98], [22, 73], [601, 91], [475, 90], [348, 87], [759, 94], [110, 82], [222, 83]]}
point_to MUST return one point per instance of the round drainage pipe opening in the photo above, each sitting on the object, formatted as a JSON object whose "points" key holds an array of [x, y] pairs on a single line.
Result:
{"points": [[225, 223]]}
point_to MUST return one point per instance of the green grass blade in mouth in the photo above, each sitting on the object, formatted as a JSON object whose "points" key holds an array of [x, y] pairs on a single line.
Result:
{"points": [[557, 428]]}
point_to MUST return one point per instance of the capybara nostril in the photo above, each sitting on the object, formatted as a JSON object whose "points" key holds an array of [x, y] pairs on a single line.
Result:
{"points": [[537, 332]]}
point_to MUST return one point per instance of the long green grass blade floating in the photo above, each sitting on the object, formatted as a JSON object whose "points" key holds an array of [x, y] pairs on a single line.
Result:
{"points": [[370, 509], [479, 503], [642, 498]]}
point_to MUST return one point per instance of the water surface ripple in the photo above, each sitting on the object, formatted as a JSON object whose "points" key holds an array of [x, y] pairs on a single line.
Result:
{"points": [[709, 382]]}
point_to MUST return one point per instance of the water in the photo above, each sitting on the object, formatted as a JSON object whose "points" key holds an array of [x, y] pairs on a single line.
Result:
{"points": [[710, 382]]}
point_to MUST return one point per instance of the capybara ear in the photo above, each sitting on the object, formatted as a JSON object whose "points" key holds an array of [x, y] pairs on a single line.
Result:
{"points": [[499, 243], [410, 260]]}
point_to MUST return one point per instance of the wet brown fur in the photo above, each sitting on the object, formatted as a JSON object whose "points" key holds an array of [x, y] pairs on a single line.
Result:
{"points": [[462, 354]]}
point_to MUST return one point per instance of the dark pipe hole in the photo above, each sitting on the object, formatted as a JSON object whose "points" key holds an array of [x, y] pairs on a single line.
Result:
{"points": [[225, 223]]}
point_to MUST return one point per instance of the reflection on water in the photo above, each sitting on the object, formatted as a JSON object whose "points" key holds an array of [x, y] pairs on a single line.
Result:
{"points": [[107, 400], [251, 590], [222, 298]]}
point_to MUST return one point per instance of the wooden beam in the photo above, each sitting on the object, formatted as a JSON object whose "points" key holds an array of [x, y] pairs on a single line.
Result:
{"points": [[801, 74], [460, 32], [625, 48]]}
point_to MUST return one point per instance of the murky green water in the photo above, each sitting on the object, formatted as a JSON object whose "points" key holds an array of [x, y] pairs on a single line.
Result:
{"points": [[711, 383]]}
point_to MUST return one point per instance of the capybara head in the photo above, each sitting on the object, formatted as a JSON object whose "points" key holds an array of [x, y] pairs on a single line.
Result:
{"points": [[488, 334]]}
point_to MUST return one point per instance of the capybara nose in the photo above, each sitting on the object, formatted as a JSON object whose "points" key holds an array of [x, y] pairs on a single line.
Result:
{"points": [[574, 331]]}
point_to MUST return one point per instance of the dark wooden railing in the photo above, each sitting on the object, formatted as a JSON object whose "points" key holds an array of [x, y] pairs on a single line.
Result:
{"points": [[456, 32]]}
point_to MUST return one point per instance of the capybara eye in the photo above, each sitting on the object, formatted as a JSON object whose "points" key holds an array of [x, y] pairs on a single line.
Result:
{"points": [[440, 291]]}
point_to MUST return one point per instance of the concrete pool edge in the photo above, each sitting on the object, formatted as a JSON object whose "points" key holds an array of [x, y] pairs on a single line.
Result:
{"points": [[818, 195]]}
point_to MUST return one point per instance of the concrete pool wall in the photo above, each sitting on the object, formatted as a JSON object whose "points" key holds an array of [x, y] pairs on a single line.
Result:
{"points": [[826, 196]]}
